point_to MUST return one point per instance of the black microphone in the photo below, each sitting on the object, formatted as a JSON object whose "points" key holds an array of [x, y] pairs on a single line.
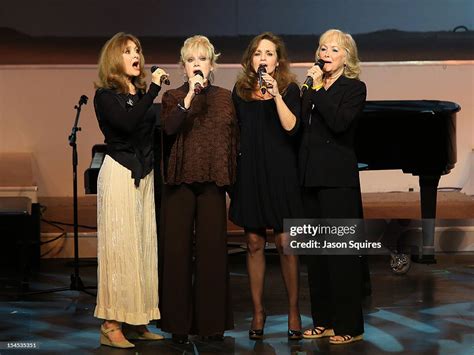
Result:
{"points": [[198, 86], [309, 80], [83, 100], [261, 83], [164, 78]]}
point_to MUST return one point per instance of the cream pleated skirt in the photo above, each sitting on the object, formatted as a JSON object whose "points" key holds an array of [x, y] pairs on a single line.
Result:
{"points": [[127, 275]]}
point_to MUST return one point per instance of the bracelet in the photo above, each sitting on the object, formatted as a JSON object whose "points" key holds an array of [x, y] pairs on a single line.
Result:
{"points": [[182, 108], [317, 87]]}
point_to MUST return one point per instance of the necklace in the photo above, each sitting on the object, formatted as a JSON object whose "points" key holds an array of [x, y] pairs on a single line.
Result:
{"points": [[259, 96]]}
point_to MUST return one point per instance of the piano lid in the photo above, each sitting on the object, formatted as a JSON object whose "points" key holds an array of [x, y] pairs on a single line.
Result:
{"points": [[416, 136], [412, 106]]}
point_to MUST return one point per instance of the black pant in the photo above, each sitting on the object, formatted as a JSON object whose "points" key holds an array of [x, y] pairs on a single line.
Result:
{"points": [[195, 293], [335, 281]]}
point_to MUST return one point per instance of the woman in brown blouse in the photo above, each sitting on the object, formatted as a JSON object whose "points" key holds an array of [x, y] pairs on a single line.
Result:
{"points": [[200, 119]]}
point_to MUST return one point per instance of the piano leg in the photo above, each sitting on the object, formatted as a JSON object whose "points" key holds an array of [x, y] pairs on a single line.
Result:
{"points": [[428, 195]]}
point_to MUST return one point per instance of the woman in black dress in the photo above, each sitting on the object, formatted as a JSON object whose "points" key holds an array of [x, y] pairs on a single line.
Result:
{"points": [[267, 190]]}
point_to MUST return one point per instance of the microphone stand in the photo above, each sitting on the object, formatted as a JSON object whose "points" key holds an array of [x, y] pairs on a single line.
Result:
{"points": [[76, 282]]}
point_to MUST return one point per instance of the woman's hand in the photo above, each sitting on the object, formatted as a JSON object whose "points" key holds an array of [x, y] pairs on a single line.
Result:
{"points": [[272, 84], [317, 74], [192, 81], [157, 75]]}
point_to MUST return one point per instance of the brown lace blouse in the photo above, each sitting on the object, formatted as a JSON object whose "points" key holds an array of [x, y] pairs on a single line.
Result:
{"points": [[204, 138]]}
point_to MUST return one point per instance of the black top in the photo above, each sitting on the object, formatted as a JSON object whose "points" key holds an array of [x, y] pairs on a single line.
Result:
{"points": [[127, 122], [266, 190], [329, 120]]}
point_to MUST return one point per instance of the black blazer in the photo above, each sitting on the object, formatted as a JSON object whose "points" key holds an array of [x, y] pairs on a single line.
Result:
{"points": [[329, 119]]}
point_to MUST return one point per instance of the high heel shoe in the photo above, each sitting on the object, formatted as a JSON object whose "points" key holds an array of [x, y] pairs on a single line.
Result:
{"points": [[295, 334], [105, 340], [131, 332], [257, 334]]}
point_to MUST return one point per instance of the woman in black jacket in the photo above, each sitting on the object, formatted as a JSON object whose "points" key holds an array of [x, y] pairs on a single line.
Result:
{"points": [[329, 174], [127, 289]]}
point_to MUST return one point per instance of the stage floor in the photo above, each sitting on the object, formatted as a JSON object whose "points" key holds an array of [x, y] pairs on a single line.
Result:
{"points": [[430, 310]]}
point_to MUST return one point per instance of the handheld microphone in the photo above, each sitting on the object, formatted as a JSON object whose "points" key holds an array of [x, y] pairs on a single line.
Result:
{"points": [[164, 78], [198, 86], [261, 83], [309, 80]]}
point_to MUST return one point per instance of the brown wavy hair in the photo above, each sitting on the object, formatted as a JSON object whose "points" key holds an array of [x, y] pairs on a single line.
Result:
{"points": [[111, 66], [247, 79]]}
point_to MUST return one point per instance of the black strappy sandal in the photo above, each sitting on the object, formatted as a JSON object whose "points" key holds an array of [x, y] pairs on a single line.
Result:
{"points": [[318, 332], [346, 339]]}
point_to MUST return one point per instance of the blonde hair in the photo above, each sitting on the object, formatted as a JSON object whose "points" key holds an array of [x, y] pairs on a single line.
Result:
{"points": [[201, 44], [111, 66], [345, 41]]}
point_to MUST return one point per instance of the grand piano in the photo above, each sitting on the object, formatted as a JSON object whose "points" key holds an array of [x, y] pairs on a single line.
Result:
{"points": [[418, 137]]}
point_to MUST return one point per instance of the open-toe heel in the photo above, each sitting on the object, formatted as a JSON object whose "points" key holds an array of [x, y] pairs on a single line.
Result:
{"points": [[257, 334], [295, 334], [132, 332], [345, 339], [105, 340], [318, 332]]}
